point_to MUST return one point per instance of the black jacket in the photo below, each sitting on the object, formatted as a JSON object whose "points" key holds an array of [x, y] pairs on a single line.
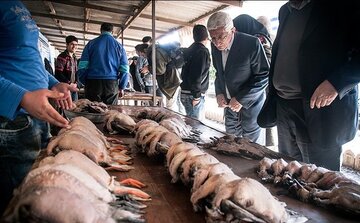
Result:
{"points": [[195, 72], [246, 71], [329, 51]]}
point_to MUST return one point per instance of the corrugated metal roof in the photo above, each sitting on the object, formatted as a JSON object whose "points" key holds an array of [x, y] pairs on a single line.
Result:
{"points": [[131, 19]]}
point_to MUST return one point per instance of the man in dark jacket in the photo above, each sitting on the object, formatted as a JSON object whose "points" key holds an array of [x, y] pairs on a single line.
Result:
{"points": [[66, 64], [195, 74], [314, 74], [241, 76]]}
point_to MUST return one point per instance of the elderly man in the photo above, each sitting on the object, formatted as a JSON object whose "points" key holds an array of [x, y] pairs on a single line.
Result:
{"points": [[104, 68], [241, 76], [66, 64]]}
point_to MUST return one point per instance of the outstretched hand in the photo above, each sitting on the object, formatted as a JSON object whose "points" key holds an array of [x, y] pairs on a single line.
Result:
{"points": [[65, 102], [324, 95], [36, 103]]}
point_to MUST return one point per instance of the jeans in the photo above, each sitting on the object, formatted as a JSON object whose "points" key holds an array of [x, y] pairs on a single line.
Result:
{"points": [[20, 143], [196, 111], [243, 124], [294, 139]]}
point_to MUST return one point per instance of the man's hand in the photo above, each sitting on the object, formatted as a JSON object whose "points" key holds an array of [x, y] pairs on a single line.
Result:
{"points": [[121, 93], [65, 102], [195, 101], [144, 70], [324, 95], [38, 106], [235, 105], [221, 101]]}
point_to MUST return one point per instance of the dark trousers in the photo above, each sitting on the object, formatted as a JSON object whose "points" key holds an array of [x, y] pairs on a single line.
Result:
{"points": [[106, 91], [20, 143], [294, 139]]}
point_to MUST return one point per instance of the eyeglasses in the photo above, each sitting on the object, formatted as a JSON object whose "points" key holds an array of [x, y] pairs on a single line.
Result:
{"points": [[221, 38]]}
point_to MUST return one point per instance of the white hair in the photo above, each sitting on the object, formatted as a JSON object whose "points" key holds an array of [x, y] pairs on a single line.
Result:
{"points": [[220, 19]]}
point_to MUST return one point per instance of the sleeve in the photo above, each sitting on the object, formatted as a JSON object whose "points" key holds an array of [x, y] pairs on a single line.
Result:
{"points": [[52, 81], [123, 81], [347, 76], [160, 62], [83, 65], [145, 62], [60, 65], [138, 75], [9, 108], [198, 68], [123, 70], [258, 81]]}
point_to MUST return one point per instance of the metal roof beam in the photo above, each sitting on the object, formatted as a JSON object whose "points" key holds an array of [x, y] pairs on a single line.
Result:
{"points": [[53, 12], [132, 18], [146, 29], [199, 18], [162, 19], [78, 31], [238, 3], [92, 6], [73, 19], [41, 26]]}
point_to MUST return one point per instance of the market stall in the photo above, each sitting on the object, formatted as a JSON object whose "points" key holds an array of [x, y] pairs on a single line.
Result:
{"points": [[170, 202]]}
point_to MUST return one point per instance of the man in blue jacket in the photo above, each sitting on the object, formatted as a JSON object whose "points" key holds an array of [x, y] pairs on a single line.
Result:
{"points": [[104, 68], [24, 97], [241, 76]]}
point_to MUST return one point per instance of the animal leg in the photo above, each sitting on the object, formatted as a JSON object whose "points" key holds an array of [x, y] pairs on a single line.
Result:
{"points": [[200, 177], [115, 140], [153, 143], [127, 216], [132, 182], [174, 165], [53, 144], [117, 167], [204, 190], [121, 190]]}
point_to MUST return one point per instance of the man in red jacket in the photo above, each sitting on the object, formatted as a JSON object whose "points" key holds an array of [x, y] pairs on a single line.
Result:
{"points": [[66, 64]]}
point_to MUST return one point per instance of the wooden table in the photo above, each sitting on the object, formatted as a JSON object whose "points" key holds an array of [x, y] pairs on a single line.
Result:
{"points": [[171, 202]]}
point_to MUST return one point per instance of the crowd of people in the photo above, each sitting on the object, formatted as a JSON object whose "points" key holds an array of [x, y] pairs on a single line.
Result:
{"points": [[305, 84]]}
